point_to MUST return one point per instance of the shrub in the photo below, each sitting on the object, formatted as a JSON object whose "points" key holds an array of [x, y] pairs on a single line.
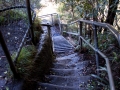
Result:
{"points": [[12, 15], [37, 30], [25, 60], [2, 19]]}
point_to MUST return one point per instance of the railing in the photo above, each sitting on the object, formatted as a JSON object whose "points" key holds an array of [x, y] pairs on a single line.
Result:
{"points": [[29, 32], [94, 26], [49, 35], [51, 18]]}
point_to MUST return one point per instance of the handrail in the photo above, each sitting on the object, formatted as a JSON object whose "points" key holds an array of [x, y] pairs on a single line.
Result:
{"points": [[23, 40], [9, 8], [97, 51], [107, 64], [14, 7], [49, 35], [105, 25], [21, 44], [48, 15]]}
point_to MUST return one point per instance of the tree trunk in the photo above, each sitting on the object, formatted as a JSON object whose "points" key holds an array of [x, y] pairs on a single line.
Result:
{"points": [[72, 9], [112, 11]]}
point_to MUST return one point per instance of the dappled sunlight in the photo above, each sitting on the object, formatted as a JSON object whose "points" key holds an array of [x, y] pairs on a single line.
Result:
{"points": [[49, 8]]}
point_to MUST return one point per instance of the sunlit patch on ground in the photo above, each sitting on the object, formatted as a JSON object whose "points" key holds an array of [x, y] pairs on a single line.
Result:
{"points": [[50, 7]]}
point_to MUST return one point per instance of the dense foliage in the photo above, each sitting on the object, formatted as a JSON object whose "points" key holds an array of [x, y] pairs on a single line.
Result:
{"points": [[101, 11], [97, 10], [9, 3]]}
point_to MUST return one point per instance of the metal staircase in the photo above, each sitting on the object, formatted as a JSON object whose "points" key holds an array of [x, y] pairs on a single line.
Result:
{"points": [[71, 71], [68, 70]]}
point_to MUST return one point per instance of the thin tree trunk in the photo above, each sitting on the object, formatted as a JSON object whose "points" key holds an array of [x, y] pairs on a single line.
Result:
{"points": [[112, 11]]}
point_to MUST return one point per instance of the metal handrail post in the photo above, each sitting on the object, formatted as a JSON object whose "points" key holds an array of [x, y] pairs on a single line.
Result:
{"points": [[80, 40], [111, 81], [8, 56], [61, 31], [50, 38], [96, 46], [110, 75], [52, 19], [96, 49], [30, 19]]}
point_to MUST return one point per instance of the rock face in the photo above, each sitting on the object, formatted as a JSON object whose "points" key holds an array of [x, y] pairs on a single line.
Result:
{"points": [[70, 70]]}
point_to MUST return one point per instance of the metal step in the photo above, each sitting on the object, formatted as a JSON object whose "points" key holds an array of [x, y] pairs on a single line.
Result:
{"points": [[72, 72], [62, 50], [62, 47], [67, 56], [69, 80], [62, 44], [60, 41], [47, 86], [78, 65], [73, 60]]}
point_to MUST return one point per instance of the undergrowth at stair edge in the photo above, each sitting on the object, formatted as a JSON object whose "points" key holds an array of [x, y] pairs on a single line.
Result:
{"points": [[110, 47], [28, 52], [37, 30], [25, 60]]}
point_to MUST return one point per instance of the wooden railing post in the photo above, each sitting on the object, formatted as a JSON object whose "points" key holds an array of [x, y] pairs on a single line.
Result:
{"points": [[30, 19], [8, 56]]}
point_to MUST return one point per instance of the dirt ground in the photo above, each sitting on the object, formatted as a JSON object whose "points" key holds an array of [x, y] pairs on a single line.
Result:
{"points": [[13, 34]]}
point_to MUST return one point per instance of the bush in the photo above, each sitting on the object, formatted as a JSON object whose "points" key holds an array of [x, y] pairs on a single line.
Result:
{"points": [[37, 30], [12, 15], [2, 19], [25, 60]]}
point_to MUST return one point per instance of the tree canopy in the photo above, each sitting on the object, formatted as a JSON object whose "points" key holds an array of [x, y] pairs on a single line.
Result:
{"points": [[97, 10]]}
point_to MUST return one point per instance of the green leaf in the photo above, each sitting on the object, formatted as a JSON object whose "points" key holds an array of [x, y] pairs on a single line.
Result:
{"points": [[103, 69], [95, 76], [7, 88], [100, 83]]}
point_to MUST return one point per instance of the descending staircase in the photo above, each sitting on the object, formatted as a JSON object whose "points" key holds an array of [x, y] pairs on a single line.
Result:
{"points": [[70, 70], [61, 45]]}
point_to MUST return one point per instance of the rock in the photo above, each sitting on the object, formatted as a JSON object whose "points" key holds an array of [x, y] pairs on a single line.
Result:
{"points": [[2, 82]]}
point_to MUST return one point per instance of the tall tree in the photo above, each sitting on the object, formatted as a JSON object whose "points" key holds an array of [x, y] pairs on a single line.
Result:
{"points": [[112, 11]]}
